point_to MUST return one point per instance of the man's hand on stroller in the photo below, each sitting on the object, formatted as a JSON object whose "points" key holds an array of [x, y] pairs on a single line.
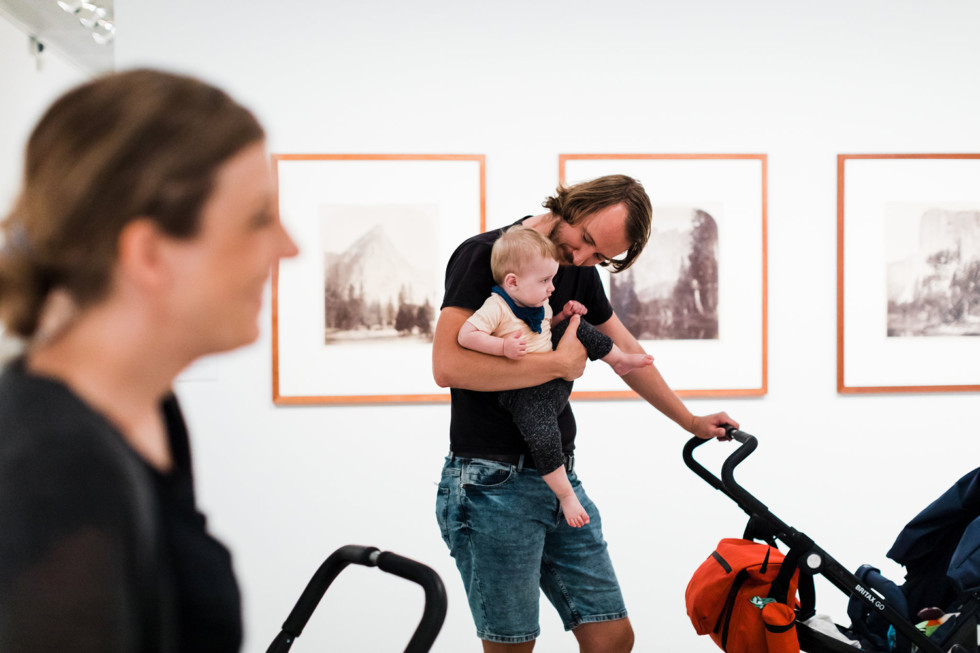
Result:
{"points": [[712, 426]]}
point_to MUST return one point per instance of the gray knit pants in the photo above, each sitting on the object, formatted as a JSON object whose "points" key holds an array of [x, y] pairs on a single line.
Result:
{"points": [[535, 410]]}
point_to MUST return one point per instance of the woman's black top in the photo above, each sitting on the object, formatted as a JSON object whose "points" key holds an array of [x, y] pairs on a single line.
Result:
{"points": [[98, 550]]}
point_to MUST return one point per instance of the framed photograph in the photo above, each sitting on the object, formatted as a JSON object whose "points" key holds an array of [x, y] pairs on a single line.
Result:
{"points": [[908, 273], [696, 296], [353, 315]]}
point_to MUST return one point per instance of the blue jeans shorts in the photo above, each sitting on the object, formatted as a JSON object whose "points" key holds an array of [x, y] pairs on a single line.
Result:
{"points": [[504, 527]]}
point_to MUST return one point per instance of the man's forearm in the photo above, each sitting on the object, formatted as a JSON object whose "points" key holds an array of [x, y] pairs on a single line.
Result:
{"points": [[647, 381], [454, 366]]}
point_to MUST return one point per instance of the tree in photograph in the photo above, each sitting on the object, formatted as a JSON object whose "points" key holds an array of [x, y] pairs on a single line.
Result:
{"points": [[423, 319], [405, 320], [695, 295], [629, 309]]}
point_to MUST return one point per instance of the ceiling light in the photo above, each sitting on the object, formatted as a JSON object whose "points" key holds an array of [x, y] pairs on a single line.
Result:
{"points": [[93, 17], [103, 32], [71, 6]]}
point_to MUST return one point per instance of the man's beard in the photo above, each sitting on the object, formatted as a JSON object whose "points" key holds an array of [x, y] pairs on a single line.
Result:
{"points": [[564, 257]]}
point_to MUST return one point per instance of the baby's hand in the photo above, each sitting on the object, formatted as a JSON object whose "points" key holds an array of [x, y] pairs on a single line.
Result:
{"points": [[573, 307], [514, 346]]}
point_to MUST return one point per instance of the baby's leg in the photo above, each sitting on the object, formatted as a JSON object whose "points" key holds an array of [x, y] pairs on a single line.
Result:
{"points": [[571, 507], [535, 412], [599, 345], [596, 343]]}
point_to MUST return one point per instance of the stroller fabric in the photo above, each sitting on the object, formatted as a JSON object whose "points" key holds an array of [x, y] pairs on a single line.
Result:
{"points": [[729, 598], [940, 549], [946, 534], [867, 623]]}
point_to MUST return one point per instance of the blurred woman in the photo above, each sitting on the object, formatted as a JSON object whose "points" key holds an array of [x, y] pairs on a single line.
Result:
{"points": [[142, 239]]}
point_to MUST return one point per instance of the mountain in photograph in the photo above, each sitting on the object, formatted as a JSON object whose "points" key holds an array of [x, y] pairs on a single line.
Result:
{"points": [[371, 289]]}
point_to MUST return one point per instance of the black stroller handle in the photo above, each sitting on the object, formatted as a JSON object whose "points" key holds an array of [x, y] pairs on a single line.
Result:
{"points": [[727, 483], [435, 597], [433, 614]]}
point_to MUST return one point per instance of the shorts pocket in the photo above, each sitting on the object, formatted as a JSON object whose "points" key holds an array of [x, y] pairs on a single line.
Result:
{"points": [[486, 475], [449, 476], [442, 512]]}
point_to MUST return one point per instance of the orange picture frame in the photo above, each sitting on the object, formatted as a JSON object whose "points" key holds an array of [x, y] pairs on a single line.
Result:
{"points": [[908, 226], [352, 315], [734, 362]]}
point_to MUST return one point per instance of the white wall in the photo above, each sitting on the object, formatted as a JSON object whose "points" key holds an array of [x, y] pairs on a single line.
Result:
{"points": [[29, 84], [521, 83], [28, 87]]}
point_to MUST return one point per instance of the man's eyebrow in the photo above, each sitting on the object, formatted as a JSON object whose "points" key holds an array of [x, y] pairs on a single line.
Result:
{"points": [[588, 237], [591, 241]]}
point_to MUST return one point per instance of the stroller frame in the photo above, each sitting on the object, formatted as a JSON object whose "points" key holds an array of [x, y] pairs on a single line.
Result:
{"points": [[812, 559], [433, 614]]}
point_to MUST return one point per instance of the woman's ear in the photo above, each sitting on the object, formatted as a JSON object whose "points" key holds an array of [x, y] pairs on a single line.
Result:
{"points": [[140, 256]]}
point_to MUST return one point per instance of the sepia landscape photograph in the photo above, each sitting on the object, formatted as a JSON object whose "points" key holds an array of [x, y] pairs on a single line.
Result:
{"points": [[671, 291], [380, 273], [933, 274]]}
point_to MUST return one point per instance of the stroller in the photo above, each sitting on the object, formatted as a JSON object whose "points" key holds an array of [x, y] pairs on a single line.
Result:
{"points": [[433, 614], [940, 549]]}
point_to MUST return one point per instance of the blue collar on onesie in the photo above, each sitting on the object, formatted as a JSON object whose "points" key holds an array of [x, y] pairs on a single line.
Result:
{"points": [[531, 316]]}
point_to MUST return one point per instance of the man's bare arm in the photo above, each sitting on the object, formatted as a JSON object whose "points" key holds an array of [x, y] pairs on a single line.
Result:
{"points": [[454, 366], [650, 385]]}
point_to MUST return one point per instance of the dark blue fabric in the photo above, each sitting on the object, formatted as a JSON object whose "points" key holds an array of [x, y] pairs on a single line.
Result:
{"points": [[946, 533], [868, 623], [964, 568], [531, 315]]}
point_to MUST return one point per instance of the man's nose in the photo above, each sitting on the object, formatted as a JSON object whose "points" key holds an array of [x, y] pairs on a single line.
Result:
{"points": [[581, 255]]}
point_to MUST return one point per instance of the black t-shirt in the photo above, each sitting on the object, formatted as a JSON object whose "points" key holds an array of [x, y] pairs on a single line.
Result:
{"points": [[98, 551], [479, 424]]}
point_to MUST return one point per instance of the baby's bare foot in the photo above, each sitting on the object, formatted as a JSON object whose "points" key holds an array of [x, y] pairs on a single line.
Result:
{"points": [[575, 514], [629, 362]]}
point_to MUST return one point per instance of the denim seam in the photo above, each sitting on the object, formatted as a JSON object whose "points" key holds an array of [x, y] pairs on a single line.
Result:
{"points": [[466, 531], [508, 639], [572, 609], [599, 618], [443, 496]]}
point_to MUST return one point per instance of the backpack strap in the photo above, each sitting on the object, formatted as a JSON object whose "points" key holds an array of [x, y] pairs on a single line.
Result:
{"points": [[781, 585], [760, 530], [808, 595]]}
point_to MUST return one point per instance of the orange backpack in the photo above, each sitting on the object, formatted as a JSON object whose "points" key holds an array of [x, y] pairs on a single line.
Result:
{"points": [[739, 597]]}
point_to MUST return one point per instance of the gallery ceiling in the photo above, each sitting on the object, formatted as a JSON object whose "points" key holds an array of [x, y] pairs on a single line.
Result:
{"points": [[58, 29]]}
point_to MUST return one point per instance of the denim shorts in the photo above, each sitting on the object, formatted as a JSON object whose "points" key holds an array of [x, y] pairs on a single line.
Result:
{"points": [[504, 527]]}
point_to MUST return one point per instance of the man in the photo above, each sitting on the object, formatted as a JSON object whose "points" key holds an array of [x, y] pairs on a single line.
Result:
{"points": [[498, 517]]}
